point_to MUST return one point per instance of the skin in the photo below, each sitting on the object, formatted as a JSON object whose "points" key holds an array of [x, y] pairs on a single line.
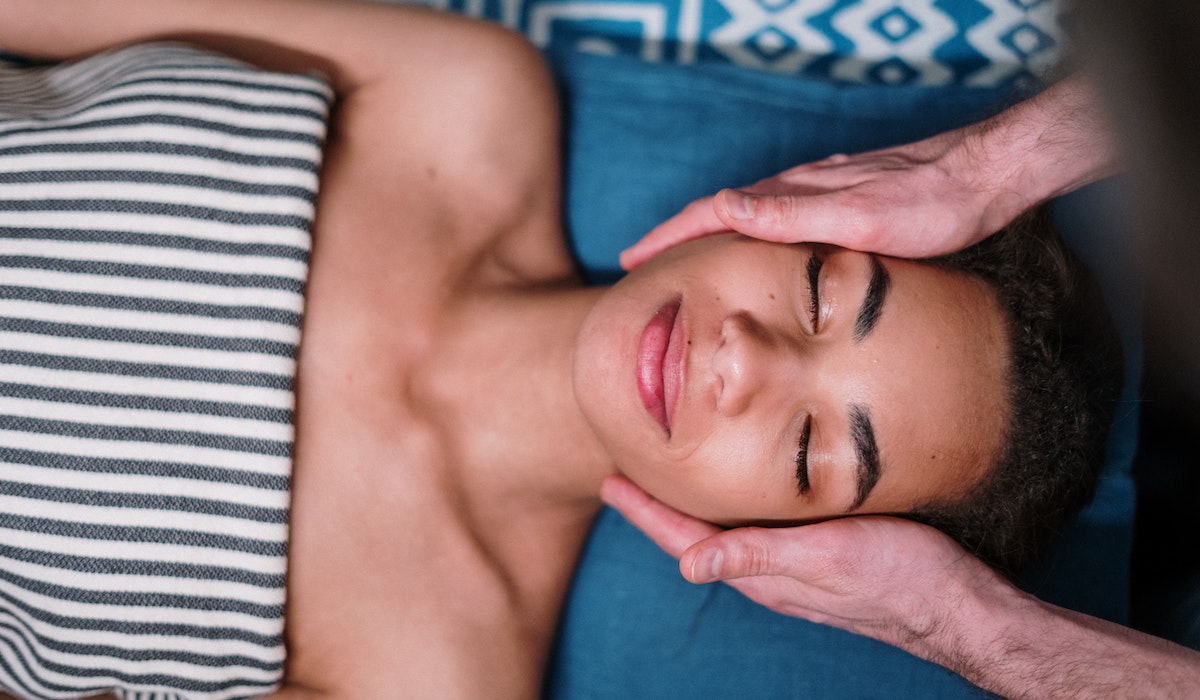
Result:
{"points": [[929, 374], [445, 474]]}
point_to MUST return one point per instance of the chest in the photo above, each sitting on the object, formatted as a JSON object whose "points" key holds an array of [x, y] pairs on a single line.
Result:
{"points": [[399, 569]]}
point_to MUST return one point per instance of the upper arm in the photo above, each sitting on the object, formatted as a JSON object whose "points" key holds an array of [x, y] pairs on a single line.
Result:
{"points": [[457, 137], [352, 42]]}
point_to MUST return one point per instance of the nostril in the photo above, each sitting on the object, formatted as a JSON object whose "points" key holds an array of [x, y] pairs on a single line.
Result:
{"points": [[734, 324], [731, 366]]}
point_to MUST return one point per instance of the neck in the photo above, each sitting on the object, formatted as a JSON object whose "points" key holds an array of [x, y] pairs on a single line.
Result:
{"points": [[506, 393]]}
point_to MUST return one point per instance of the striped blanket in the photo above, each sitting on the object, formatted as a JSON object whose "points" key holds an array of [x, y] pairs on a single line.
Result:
{"points": [[155, 207]]}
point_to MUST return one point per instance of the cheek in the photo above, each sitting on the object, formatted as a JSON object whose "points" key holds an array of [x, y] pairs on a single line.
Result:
{"points": [[600, 381], [727, 478]]}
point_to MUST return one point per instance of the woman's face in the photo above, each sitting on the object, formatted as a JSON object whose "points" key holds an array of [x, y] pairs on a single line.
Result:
{"points": [[742, 381]]}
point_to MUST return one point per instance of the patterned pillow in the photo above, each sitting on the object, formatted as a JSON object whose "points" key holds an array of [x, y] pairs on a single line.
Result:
{"points": [[982, 43], [155, 207]]}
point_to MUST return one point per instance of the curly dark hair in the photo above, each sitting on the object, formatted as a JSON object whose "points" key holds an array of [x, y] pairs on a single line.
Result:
{"points": [[1064, 380]]}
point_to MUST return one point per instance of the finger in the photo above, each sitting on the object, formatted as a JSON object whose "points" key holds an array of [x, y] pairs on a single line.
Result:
{"points": [[801, 553], [671, 530], [730, 555], [782, 570], [839, 218], [765, 216], [695, 220]]}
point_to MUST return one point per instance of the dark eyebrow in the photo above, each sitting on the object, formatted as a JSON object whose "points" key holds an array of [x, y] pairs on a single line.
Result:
{"points": [[869, 467], [868, 313]]}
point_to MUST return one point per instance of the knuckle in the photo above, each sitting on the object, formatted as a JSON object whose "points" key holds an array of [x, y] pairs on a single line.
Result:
{"points": [[752, 554], [782, 212]]}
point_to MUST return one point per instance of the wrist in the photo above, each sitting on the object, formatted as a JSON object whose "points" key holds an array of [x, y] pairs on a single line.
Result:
{"points": [[1011, 643], [990, 638], [1051, 144], [979, 621]]}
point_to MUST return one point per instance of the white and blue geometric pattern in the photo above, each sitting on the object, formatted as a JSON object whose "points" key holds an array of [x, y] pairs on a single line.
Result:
{"points": [[985, 43]]}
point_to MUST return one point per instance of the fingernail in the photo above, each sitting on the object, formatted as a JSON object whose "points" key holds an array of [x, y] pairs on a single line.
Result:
{"points": [[706, 567], [739, 206]]}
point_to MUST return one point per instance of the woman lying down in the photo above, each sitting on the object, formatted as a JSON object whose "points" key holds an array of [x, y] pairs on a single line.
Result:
{"points": [[460, 395]]}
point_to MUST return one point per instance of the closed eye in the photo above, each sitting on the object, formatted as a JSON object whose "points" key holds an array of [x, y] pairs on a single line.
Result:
{"points": [[802, 457], [814, 288]]}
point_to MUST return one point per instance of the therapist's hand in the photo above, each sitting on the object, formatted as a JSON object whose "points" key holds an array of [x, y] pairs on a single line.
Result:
{"points": [[921, 199], [910, 586], [915, 200], [887, 578]]}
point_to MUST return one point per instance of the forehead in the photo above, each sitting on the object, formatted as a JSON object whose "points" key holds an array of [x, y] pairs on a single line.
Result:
{"points": [[937, 392]]}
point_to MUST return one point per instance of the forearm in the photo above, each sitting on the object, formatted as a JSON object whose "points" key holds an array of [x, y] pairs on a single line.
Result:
{"points": [[348, 41], [1020, 647]]}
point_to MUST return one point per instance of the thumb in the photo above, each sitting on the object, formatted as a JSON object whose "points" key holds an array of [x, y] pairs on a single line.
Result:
{"points": [[738, 553], [767, 217], [798, 217]]}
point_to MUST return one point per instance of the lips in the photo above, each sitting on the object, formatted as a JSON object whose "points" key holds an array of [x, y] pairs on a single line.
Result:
{"points": [[660, 364]]}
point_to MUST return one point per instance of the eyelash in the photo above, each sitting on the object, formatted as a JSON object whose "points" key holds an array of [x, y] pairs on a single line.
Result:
{"points": [[814, 308], [814, 298], [802, 457]]}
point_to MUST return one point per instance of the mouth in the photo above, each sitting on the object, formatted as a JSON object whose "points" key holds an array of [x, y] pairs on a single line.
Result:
{"points": [[660, 364]]}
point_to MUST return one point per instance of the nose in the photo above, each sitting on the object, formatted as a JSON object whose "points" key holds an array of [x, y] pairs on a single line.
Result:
{"points": [[750, 359]]}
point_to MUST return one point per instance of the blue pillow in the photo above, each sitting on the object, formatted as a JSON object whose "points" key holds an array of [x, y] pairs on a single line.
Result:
{"points": [[642, 141]]}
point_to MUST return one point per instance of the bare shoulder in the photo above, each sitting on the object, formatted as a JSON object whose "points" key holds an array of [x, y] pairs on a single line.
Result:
{"points": [[458, 143]]}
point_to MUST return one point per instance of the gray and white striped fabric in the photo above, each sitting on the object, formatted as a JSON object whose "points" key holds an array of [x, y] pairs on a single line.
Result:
{"points": [[155, 212]]}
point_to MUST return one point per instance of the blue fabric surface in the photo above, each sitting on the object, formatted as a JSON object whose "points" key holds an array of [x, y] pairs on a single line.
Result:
{"points": [[643, 140]]}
